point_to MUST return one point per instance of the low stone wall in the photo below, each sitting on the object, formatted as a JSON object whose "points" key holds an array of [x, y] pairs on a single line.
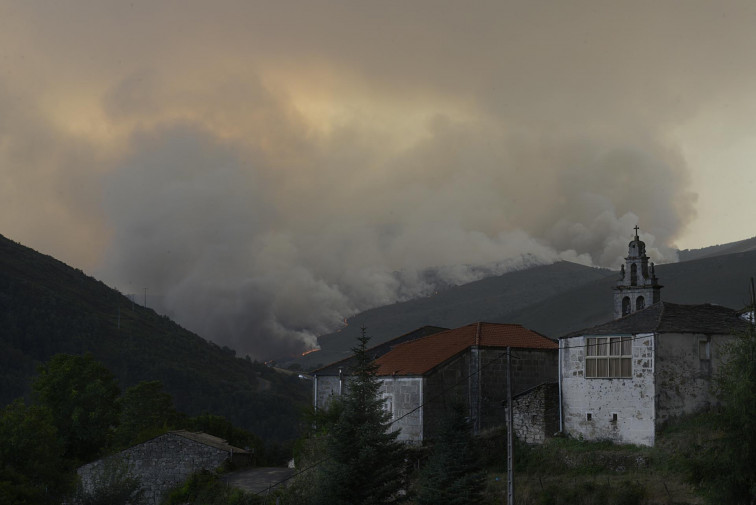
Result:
{"points": [[160, 464], [536, 413]]}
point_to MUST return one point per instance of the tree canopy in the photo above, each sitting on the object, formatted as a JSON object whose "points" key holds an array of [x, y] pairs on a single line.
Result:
{"points": [[364, 462], [81, 394]]}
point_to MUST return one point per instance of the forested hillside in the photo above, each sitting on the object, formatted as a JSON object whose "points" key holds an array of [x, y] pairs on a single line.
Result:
{"points": [[47, 307]]}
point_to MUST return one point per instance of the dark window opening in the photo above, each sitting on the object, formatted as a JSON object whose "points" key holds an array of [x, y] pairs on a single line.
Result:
{"points": [[633, 274], [625, 305], [640, 303]]}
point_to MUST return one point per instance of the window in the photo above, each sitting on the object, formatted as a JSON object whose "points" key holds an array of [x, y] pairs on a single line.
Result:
{"points": [[703, 350], [633, 274], [608, 357]]}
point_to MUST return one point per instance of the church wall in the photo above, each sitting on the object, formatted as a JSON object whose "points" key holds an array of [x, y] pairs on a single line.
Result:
{"points": [[685, 373], [631, 399]]}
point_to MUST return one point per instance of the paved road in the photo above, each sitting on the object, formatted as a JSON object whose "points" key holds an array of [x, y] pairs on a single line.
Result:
{"points": [[257, 480]]}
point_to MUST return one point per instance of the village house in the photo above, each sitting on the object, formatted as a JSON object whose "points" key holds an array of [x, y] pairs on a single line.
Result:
{"points": [[164, 462], [423, 377], [622, 380]]}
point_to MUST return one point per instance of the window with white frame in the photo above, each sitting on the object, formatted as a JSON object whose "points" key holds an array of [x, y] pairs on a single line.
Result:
{"points": [[608, 357]]}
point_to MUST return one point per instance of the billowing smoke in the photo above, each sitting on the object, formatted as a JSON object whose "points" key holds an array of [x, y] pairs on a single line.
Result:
{"points": [[270, 168], [264, 264]]}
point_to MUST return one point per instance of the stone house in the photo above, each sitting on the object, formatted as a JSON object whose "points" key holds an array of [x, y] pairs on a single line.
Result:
{"points": [[622, 380], [424, 377], [166, 461]]}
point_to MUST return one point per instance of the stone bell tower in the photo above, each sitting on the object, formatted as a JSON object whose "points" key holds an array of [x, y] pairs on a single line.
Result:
{"points": [[638, 286]]}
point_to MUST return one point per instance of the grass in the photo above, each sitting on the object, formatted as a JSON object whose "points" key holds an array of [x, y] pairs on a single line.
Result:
{"points": [[568, 471]]}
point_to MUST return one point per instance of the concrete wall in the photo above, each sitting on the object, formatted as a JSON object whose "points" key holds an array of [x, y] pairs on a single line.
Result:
{"points": [[684, 380], [160, 464], [326, 388], [403, 396], [631, 399]]}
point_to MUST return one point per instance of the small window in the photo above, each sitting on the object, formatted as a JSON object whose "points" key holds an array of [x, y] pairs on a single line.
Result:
{"points": [[704, 350], [614, 418], [588, 416], [608, 357]]}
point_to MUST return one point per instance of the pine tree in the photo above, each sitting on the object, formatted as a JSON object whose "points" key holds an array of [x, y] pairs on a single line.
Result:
{"points": [[365, 462], [452, 475]]}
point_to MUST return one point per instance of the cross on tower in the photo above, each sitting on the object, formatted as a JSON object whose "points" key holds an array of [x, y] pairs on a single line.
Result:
{"points": [[636, 231]]}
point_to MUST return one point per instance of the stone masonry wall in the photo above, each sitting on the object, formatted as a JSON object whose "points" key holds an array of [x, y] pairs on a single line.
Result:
{"points": [[161, 464], [536, 414]]}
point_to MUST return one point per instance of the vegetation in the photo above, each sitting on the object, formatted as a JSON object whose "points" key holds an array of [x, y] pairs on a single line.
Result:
{"points": [[453, 474], [723, 462], [50, 308], [364, 462], [80, 416], [206, 488], [81, 395], [32, 468]]}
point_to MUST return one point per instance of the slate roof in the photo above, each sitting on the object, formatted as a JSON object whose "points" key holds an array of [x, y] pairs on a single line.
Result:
{"points": [[212, 441], [345, 365], [419, 357], [665, 317]]}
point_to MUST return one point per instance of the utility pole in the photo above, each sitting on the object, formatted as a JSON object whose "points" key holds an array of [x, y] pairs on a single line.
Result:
{"points": [[510, 432]]}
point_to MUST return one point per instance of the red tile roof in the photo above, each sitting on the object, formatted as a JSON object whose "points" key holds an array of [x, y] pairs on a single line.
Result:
{"points": [[422, 355]]}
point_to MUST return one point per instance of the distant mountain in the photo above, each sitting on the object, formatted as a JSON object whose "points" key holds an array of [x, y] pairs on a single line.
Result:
{"points": [[718, 250], [47, 307], [553, 299]]}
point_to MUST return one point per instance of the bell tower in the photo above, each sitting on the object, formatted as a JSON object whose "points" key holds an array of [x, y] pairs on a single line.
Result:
{"points": [[638, 286]]}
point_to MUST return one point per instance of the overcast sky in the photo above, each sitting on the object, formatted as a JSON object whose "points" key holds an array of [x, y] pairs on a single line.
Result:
{"points": [[273, 167]]}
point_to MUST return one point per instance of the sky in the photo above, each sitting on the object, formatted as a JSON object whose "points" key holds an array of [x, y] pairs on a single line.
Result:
{"points": [[269, 168]]}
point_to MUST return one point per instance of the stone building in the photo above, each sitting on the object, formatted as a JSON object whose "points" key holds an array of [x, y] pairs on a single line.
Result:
{"points": [[622, 380], [165, 461], [422, 378]]}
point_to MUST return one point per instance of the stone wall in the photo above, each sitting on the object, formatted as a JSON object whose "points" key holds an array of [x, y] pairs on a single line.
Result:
{"points": [[619, 409], [685, 367], [536, 413], [160, 464]]}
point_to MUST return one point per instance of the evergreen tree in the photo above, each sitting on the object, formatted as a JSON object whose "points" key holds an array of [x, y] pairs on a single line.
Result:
{"points": [[452, 475], [365, 463]]}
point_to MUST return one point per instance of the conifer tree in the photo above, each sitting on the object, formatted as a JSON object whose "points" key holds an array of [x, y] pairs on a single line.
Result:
{"points": [[365, 463], [452, 475]]}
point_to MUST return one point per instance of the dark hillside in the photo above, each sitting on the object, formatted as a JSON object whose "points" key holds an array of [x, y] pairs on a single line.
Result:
{"points": [[47, 307]]}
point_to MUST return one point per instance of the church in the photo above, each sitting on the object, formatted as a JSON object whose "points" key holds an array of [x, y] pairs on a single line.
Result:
{"points": [[622, 380]]}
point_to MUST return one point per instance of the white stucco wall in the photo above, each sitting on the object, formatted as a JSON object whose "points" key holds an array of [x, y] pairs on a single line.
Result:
{"points": [[632, 399]]}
